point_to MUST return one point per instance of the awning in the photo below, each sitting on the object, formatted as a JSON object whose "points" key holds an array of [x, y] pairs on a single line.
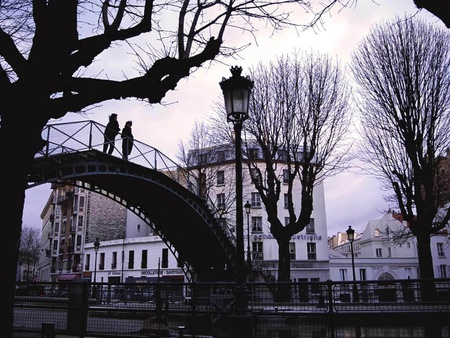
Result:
{"points": [[71, 276]]}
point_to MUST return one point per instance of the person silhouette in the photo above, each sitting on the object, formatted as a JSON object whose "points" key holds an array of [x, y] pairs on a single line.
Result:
{"points": [[127, 140], [111, 131]]}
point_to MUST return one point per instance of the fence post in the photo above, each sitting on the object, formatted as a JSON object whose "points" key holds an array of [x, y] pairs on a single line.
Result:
{"points": [[329, 284], [77, 311]]}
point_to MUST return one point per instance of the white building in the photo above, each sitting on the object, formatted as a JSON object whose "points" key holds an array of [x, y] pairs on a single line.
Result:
{"points": [[215, 170], [379, 256], [140, 255]]}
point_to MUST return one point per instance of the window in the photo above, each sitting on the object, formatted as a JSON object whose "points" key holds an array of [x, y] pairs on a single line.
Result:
{"points": [[282, 155], [221, 201], [389, 252], [440, 249], [378, 252], [256, 200], [287, 220], [78, 243], [311, 251], [81, 204], [408, 273], [292, 250], [311, 228], [257, 251], [315, 286], [285, 201], [131, 259], [222, 222], [443, 271], [101, 265], [144, 259], [255, 175], [202, 185], [165, 258], [138, 227], [362, 274], [202, 159], [253, 153], [114, 260], [220, 156], [408, 245], [256, 224], [80, 222], [220, 177], [285, 176], [88, 259], [343, 274], [377, 233]]}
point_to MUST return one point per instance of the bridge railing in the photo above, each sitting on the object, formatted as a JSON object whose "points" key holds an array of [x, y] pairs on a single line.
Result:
{"points": [[71, 137]]}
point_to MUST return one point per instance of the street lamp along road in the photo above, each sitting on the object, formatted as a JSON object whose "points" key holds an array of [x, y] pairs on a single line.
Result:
{"points": [[351, 238], [96, 247], [248, 208], [236, 91]]}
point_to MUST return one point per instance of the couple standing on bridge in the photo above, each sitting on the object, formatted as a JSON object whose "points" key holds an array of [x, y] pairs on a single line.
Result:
{"points": [[112, 130]]}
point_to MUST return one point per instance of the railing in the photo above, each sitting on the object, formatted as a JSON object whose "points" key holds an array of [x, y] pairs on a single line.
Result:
{"points": [[73, 137], [207, 309]]}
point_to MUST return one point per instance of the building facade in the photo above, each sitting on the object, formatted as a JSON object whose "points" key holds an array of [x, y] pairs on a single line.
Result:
{"points": [[379, 254], [74, 218], [214, 169]]}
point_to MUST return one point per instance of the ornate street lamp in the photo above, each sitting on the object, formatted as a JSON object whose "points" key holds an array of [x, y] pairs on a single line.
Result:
{"points": [[236, 91], [96, 247], [351, 238], [248, 208]]}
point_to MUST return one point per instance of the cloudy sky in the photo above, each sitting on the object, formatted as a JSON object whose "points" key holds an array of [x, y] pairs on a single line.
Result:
{"points": [[351, 199]]}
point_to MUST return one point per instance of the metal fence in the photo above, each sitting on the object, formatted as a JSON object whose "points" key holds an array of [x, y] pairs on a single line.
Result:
{"points": [[314, 309]]}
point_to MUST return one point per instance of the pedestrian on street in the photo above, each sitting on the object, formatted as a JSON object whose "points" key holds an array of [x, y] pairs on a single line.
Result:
{"points": [[111, 131], [127, 140]]}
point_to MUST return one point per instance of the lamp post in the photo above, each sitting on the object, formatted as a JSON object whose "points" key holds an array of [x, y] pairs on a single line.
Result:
{"points": [[248, 207], [96, 247], [236, 91], [351, 238]]}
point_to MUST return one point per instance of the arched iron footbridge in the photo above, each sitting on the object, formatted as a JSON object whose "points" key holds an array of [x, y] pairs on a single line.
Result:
{"points": [[149, 184]]}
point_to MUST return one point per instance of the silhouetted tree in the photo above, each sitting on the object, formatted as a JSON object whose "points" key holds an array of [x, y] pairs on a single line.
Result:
{"points": [[439, 8], [402, 69], [52, 54], [299, 117]]}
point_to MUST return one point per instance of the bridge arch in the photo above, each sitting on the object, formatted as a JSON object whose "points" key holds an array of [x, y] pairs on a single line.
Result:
{"points": [[181, 218]]}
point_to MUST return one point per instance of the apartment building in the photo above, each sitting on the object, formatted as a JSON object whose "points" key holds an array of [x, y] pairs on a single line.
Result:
{"points": [[130, 250], [380, 254], [74, 218]]}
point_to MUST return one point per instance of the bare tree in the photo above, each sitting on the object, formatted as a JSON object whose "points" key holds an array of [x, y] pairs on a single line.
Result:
{"points": [[402, 69], [299, 118], [206, 159], [54, 57], [30, 243]]}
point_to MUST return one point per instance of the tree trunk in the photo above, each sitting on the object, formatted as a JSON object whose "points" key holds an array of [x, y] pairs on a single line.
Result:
{"points": [[426, 265], [20, 137], [284, 270]]}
